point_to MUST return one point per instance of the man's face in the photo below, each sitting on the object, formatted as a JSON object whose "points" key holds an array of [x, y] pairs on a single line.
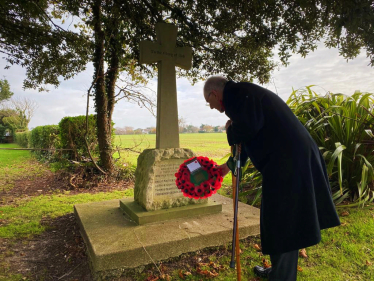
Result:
{"points": [[213, 101]]}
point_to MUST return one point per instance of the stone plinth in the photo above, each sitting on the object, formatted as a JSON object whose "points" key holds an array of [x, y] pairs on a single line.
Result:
{"points": [[141, 216], [114, 242], [155, 186]]}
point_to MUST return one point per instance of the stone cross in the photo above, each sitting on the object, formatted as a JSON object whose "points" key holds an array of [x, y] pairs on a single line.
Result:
{"points": [[167, 56]]}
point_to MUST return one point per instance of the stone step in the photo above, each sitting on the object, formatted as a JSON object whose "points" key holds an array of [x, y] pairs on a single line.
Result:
{"points": [[114, 242]]}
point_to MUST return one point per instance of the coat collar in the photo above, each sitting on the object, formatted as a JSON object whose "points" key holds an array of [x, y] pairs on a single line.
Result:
{"points": [[226, 94]]}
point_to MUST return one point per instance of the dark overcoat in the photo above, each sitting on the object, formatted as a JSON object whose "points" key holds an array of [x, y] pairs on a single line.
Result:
{"points": [[296, 195]]}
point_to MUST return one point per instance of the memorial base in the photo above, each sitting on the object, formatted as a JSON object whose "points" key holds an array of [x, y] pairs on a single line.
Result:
{"points": [[141, 216], [115, 243]]}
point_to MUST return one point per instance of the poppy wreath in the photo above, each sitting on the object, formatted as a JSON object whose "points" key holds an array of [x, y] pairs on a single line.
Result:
{"points": [[206, 188]]}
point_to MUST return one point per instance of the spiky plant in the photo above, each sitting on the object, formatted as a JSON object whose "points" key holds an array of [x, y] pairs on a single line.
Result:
{"points": [[342, 127]]}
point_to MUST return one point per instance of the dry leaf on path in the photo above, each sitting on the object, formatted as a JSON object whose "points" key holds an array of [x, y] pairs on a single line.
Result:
{"points": [[303, 254], [299, 268], [151, 278], [344, 214], [265, 263], [257, 247], [368, 263], [207, 273], [181, 275]]}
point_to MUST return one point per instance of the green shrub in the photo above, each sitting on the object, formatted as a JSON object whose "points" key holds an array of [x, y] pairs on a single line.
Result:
{"points": [[342, 128], [72, 134], [46, 137], [22, 138]]}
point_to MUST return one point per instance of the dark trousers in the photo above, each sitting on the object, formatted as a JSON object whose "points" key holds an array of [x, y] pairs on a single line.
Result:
{"points": [[284, 266]]}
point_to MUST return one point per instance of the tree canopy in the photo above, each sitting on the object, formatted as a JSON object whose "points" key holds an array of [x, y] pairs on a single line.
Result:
{"points": [[5, 92], [230, 37], [236, 38]]}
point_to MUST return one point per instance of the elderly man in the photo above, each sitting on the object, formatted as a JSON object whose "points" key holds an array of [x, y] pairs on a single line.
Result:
{"points": [[296, 196]]}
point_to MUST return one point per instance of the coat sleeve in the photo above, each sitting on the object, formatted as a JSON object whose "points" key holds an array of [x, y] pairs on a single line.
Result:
{"points": [[246, 113]]}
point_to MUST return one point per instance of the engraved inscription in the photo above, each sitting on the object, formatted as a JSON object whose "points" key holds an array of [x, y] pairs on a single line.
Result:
{"points": [[168, 54], [164, 178]]}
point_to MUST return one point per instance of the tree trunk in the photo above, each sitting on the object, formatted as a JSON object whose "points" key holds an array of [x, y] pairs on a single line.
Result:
{"points": [[101, 99]]}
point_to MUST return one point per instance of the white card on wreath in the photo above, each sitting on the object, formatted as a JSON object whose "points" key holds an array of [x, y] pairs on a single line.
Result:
{"points": [[193, 166]]}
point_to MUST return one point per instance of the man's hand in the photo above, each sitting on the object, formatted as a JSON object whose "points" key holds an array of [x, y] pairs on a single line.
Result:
{"points": [[228, 124], [225, 169]]}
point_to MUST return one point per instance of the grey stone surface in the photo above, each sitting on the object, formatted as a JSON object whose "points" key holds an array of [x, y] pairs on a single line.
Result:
{"points": [[115, 242], [155, 186], [141, 216]]}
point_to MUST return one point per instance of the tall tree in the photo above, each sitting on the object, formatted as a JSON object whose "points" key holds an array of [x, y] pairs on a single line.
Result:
{"points": [[5, 92], [236, 38], [16, 114]]}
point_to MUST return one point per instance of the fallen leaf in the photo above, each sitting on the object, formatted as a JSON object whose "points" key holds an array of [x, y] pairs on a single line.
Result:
{"points": [[344, 214], [303, 254], [152, 278], [187, 273], [257, 247], [165, 277], [368, 263], [344, 224], [207, 273], [162, 268], [299, 268], [265, 263], [181, 275], [212, 264]]}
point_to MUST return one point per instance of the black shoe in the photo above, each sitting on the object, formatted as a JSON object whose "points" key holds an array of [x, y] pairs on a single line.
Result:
{"points": [[261, 272]]}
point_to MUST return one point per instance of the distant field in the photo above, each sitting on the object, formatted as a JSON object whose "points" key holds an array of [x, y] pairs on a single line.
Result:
{"points": [[212, 145]]}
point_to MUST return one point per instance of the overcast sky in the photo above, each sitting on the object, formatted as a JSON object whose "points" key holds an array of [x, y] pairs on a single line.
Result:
{"points": [[324, 68]]}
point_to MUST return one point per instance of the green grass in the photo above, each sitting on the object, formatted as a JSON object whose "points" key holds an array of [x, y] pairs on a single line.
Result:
{"points": [[16, 164], [9, 158], [212, 145], [23, 217]]}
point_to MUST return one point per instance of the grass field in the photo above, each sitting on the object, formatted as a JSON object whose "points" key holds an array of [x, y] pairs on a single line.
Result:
{"points": [[15, 164], [212, 145]]}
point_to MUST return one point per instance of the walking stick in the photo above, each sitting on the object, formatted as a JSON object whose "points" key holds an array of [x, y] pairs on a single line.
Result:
{"points": [[235, 236]]}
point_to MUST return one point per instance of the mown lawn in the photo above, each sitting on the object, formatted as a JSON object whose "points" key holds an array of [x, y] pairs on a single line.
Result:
{"points": [[15, 164], [345, 253], [212, 145]]}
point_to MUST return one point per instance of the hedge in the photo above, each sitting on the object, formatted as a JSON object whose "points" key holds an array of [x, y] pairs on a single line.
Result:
{"points": [[72, 132], [45, 137], [22, 138]]}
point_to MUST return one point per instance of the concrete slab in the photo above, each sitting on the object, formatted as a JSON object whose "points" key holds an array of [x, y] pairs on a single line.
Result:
{"points": [[116, 242], [138, 214]]}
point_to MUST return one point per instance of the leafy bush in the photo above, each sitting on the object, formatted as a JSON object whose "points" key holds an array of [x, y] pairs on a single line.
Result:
{"points": [[72, 133], [22, 138], [46, 137]]}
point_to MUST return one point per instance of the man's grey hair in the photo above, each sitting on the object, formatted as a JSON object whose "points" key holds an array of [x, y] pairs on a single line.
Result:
{"points": [[217, 83]]}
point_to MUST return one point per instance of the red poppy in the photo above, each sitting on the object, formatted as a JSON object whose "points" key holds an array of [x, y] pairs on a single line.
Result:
{"points": [[204, 189]]}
